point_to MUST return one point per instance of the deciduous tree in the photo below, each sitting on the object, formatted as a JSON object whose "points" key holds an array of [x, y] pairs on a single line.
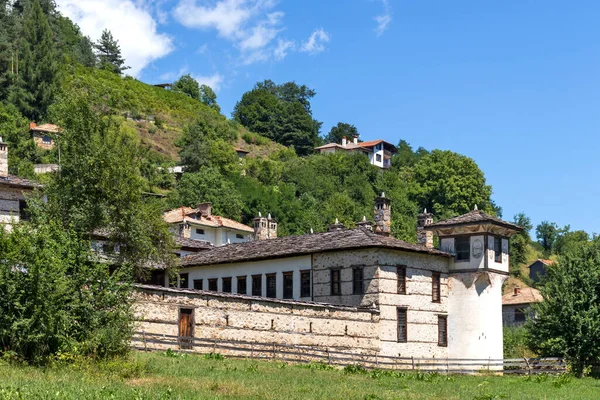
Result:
{"points": [[339, 131]]}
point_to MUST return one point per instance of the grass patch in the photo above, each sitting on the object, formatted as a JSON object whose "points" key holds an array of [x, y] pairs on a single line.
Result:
{"points": [[168, 376]]}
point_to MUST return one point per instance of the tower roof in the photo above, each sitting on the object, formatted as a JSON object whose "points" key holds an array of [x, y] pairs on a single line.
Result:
{"points": [[474, 218]]}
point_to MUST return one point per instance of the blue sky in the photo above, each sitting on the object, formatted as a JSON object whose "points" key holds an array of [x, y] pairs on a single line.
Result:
{"points": [[512, 84]]}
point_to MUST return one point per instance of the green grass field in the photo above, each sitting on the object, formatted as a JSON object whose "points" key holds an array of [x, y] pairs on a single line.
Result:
{"points": [[162, 376]]}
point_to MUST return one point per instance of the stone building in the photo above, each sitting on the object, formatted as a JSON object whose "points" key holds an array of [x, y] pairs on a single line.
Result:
{"points": [[44, 135], [516, 306], [443, 303], [379, 151], [538, 268], [13, 192]]}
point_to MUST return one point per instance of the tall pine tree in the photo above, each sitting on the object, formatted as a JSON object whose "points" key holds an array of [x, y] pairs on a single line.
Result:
{"points": [[37, 68], [108, 52]]}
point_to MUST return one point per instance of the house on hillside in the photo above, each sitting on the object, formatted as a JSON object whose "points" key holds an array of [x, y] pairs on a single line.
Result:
{"points": [[13, 192], [43, 135], [516, 306], [379, 152], [537, 270], [421, 301], [200, 224]]}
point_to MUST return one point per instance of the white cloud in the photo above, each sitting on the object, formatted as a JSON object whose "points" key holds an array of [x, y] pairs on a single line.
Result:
{"points": [[283, 46], [214, 80], [316, 42], [384, 19], [132, 26]]}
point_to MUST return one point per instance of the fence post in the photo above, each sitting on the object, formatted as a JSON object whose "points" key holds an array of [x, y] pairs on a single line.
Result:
{"points": [[413, 362], [376, 361], [489, 361], [528, 366], [328, 356], [447, 366], [252, 350], [144, 336], [273, 350], [214, 345]]}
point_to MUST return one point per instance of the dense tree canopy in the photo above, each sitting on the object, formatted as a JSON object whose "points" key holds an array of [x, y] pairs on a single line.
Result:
{"points": [[108, 52], [339, 131], [188, 85], [208, 97]]}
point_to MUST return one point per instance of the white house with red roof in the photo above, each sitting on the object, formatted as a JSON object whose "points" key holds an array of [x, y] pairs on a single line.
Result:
{"points": [[379, 151], [200, 224]]}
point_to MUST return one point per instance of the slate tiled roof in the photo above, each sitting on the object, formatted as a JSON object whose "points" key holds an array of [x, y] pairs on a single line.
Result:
{"points": [[526, 296], [15, 181], [192, 243], [475, 216], [192, 216], [290, 246]]}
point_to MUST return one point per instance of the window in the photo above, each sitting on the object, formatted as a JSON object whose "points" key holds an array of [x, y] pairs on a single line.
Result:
{"points": [[401, 271], [288, 285], [23, 211], [238, 236], [357, 280], [462, 248], [336, 285], [305, 283], [442, 330], [435, 287], [183, 281], [46, 139], [498, 249], [212, 285], [241, 281], [378, 157], [256, 285], [199, 231], [272, 285], [519, 315], [402, 325], [227, 285], [198, 284]]}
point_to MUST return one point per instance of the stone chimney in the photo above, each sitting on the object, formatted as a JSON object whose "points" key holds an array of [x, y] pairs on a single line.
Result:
{"points": [[383, 215], [517, 291], [364, 224], [265, 228], [204, 209], [424, 237], [355, 139], [337, 226], [3, 159], [32, 125], [344, 141]]}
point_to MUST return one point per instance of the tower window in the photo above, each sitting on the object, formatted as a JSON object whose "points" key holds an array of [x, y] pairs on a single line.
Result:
{"points": [[402, 325], [336, 284], [357, 280], [435, 287], [442, 330], [498, 249], [401, 271], [462, 248], [378, 157]]}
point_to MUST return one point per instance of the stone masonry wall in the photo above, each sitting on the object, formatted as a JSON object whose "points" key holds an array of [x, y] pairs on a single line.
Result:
{"points": [[9, 204], [223, 317]]}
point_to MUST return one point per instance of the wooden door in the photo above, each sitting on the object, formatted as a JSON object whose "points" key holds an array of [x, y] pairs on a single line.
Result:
{"points": [[186, 328]]}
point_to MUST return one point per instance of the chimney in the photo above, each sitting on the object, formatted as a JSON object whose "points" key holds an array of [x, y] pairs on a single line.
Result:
{"points": [[355, 139], [517, 291], [337, 226], [32, 125], [3, 159], [265, 228], [383, 215], [424, 237], [204, 209], [344, 141], [364, 224]]}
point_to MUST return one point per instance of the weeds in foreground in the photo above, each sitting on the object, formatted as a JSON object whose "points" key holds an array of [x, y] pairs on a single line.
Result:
{"points": [[213, 356]]}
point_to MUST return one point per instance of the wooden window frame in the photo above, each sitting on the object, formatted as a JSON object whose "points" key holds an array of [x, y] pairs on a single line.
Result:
{"points": [[402, 336], [239, 236], [456, 239], [273, 294], [216, 283], [184, 280], [358, 286], [520, 312], [227, 281], [436, 289], [200, 231], [244, 278], [303, 292], [288, 293], [401, 277], [498, 249], [256, 278], [201, 282], [443, 333], [336, 286]]}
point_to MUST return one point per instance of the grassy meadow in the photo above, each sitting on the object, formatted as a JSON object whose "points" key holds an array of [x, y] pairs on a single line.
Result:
{"points": [[174, 376]]}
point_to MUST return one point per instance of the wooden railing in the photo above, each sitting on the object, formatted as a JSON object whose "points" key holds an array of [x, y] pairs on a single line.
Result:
{"points": [[344, 356]]}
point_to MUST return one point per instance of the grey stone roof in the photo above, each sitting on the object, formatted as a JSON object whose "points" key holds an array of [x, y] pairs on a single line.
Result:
{"points": [[473, 217], [192, 243], [15, 181], [290, 246]]}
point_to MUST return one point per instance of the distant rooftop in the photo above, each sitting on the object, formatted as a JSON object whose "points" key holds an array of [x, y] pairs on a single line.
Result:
{"points": [[522, 296], [45, 128], [195, 216]]}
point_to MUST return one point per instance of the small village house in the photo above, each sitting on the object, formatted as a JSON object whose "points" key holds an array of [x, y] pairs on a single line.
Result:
{"points": [[516, 306], [44, 135], [537, 269], [13, 192], [379, 152]]}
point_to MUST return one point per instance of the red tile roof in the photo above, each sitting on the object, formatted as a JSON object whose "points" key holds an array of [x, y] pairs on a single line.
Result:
{"points": [[192, 216], [47, 128], [526, 296]]}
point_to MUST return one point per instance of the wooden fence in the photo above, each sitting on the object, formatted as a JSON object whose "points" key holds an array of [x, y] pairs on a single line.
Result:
{"points": [[345, 356]]}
